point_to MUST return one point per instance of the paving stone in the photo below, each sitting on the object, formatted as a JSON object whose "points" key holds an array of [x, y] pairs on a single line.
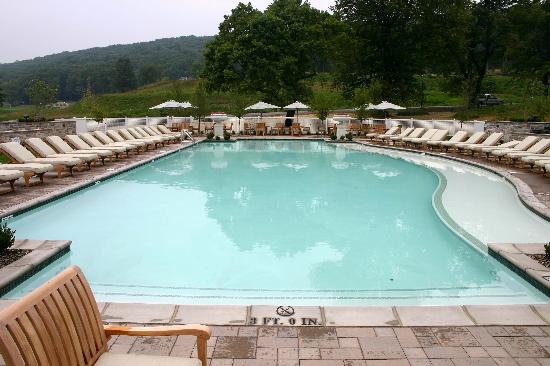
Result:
{"points": [[402, 362], [544, 361], [355, 332], [445, 352], [321, 363], [496, 352], [221, 362], [415, 352], [287, 353], [248, 331], [527, 361], [355, 363], [496, 331], [138, 313], [248, 362], [522, 347], [189, 341], [419, 362], [360, 316], [422, 331], [124, 339], [384, 332], [235, 347], [476, 352], [225, 331], [317, 337], [288, 363], [524, 331], [406, 337], [348, 342], [504, 315], [381, 348], [266, 353], [341, 354], [153, 345], [211, 314], [430, 341], [267, 332], [269, 312], [474, 362], [441, 362], [275, 342], [483, 337], [120, 348], [455, 336], [287, 332], [543, 341], [505, 361], [433, 316], [309, 353], [209, 352]]}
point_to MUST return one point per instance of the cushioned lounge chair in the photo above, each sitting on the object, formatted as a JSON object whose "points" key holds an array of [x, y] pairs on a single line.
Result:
{"points": [[536, 150], [10, 176], [22, 155], [171, 137], [165, 130], [459, 136], [114, 138], [146, 134], [418, 132], [128, 137], [476, 138], [93, 141], [137, 135], [78, 143], [45, 151], [63, 147], [425, 136], [531, 159], [492, 140], [439, 135], [390, 132], [59, 324], [29, 170], [404, 133], [524, 144]]}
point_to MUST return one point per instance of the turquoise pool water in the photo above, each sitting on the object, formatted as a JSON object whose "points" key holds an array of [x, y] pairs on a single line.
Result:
{"points": [[265, 222]]}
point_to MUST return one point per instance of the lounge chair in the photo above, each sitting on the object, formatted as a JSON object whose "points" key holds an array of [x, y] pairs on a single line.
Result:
{"points": [[536, 150], [544, 163], [170, 137], [93, 141], [10, 176], [138, 136], [63, 147], [112, 137], [531, 159], [406, 132], [439, 135], [146, 134], [128, 137], [476, 138], [492, 140], [59, 324], [419, 131], [424, 137], [45, 151], [161, 129], [507, 145], [29, 170], [390, 132], [77, 142], [525, 144], [460, 136], [22, 155]]}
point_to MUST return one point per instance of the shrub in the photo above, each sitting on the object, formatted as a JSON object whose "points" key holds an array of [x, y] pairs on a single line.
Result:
{"points": [[218, 138], [226, 135], [210, 135], [342, 138], [7, 237], [333, 136], [349, 136], [547, 250]]}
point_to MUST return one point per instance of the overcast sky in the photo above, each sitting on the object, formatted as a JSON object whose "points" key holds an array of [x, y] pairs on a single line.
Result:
{"points": [[31, 28]]}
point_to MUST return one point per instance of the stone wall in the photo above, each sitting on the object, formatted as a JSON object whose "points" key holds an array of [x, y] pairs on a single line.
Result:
{"points": [[24, 130], [517, 130]]}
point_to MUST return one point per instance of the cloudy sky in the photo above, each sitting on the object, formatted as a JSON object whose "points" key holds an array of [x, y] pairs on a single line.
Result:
{"points": [[32, 28]]}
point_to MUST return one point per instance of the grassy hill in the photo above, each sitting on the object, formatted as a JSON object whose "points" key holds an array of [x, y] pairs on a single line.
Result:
{"points": [[137, 102]]}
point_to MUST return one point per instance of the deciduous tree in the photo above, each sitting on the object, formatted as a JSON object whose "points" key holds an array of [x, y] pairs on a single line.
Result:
{"points": [[124, 76]]}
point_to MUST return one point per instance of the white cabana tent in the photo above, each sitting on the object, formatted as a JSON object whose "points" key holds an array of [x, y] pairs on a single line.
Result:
{"points": [[296, 106], [172, 104]]}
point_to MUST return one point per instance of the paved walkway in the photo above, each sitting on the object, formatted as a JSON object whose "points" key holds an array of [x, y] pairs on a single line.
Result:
{"points": [[329, 346]]}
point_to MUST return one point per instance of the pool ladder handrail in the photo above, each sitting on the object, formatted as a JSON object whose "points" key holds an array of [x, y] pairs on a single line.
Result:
{"points": [[186, 133]]}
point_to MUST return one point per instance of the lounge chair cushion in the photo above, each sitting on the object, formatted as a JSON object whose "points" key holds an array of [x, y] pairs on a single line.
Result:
{"points": [[129, 359], [22, 155], [29, 167], [45, 151], [7, 175]]}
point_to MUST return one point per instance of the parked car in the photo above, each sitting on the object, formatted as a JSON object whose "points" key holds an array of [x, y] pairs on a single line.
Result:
{"points": [[488, 100]]}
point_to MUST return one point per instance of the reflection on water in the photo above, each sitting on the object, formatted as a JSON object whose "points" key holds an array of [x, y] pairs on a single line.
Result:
{"points": [[306, 221]]}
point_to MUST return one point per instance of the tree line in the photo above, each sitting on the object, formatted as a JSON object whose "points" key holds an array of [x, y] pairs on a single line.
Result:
{"points": [[379, 49]]}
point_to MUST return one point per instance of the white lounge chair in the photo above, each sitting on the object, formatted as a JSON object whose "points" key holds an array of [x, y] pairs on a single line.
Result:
{"points": [[22, 155], [116, 139], [63, 147], [404, 133], [492, 140], [90, 139], [138, 136], [531, 159], [162, 129], [390, 132], [171, 137], [425, 136], [129, 137], [146, 134], [536, 150], [476, 138], [418, 132], [439, 135], [525, 144], [10, 176], [29, 170], [45, 151], [78, 143], [460, 136]]}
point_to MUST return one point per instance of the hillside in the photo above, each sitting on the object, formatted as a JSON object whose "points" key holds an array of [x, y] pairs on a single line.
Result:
{"points": [[70, 72]]}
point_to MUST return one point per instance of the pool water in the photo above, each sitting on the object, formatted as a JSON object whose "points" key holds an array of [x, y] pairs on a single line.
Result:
{"points": [[265, 222]]}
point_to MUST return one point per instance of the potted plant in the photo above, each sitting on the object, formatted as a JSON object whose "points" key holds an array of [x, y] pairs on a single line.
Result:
{"points": [[210, 135], [226, 136], [7, 237], [349, 136]]}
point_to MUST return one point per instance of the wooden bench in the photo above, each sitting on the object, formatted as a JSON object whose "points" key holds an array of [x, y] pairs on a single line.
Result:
{"points": [[59, 324]]}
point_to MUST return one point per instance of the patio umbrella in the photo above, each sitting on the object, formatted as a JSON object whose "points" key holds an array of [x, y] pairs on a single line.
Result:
{"points": [[172, 104], [384, 106], [260, 106], [296, 106]]}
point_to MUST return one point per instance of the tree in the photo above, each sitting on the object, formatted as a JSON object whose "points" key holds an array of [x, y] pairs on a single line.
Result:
{"points": [[149, 74], [2, 96], [124, 77], [322, 102], [271, 52], [40, 94], [201, 105], [238, 104]]}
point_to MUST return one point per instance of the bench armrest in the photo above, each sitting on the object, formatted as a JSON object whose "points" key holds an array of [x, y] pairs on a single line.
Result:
{"points": [[197, 330]]}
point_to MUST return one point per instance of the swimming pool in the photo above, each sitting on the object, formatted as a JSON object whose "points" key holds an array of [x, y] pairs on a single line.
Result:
{"points": [[300, 222]]}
